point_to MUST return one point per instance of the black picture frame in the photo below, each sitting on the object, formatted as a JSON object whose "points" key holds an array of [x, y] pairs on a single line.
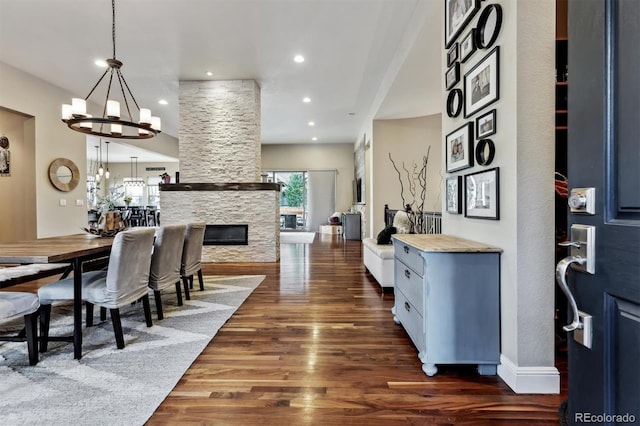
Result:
{"points": [[453, 191], [455, 100], [489, 25], [452, 55], [482, 194], [486, 124], [482, 83], [457, 14], [452, 77], [485, 152], [467, 45], [459, 148]]}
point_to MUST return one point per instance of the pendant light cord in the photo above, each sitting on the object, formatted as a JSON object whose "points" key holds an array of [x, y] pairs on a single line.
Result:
{"points": [[113, 26]]}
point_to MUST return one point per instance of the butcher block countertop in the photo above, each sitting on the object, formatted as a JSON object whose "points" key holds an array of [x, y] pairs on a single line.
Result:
{"points": [[444, 243]]}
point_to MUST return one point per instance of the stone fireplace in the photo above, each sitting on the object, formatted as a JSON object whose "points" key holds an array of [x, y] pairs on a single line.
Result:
{"points": [[220, 163]]}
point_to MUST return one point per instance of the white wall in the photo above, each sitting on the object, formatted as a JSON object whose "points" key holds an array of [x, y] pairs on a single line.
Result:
{"points": [[525, 154], [31, 96], [289, 157], [17, 190], [407, 141]]}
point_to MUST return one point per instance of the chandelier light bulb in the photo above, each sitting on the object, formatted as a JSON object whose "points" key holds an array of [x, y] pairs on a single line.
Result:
{"points": [[116, 129], [145, 116], [66, 112], [101, 170], [156, 123], [106, 174], [79, 107], [86, 124], [113, 109]]}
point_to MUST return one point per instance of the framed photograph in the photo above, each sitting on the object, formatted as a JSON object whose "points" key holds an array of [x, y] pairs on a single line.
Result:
{"points": [[482, 191], [481, 83], [5, 157], [452, 55], [467, 45], [459, 148], [453, 76], [454, 194], [486, 124], [457, 14]]}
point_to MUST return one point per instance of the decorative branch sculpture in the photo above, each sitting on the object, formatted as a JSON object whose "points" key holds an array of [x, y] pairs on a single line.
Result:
{"points": [[416, 183]]}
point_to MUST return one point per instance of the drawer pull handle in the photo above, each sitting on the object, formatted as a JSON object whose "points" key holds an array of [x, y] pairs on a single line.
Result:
{"points": [[407, 273], [407, 306], [406, 249]]}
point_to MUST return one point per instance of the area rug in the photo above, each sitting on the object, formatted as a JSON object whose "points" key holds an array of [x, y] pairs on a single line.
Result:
{"points": [[297, 237], [110, 386]]}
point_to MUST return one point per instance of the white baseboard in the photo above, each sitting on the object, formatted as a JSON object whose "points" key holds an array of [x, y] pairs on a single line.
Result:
{"points": [[542, 380]]}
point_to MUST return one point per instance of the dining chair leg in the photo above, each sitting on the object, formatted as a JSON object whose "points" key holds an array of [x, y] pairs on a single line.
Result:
{"points": [[156, 294], [185, 282], [179, 293], [89, 308], [103, 313], [45, 318], [147, 310], [190, 281], [117, 327], [200, 280], [31, 328]]}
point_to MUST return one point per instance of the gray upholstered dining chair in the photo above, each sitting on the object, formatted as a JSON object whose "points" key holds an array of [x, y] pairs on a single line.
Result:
{"points": [[192, 256], [165, 263], [15, 304], [126, 281]]}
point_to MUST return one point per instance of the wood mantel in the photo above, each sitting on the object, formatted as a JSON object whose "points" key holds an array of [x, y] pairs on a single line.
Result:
{"points": [[237, 186]]}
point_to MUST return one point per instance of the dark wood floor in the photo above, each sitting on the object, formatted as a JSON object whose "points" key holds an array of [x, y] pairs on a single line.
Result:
{"points": [[315, 344]]}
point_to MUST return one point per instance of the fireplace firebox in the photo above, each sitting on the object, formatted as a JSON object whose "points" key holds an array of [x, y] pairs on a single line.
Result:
{"points": [[226, 235]]}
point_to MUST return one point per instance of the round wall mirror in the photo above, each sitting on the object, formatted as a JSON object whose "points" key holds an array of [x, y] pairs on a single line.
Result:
{"points": [[64, 174], [489, 25]]}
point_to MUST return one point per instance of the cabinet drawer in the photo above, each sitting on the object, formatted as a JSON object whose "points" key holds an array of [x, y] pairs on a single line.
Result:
{"points": [[410, 319], [410, 283], [409, 256]]}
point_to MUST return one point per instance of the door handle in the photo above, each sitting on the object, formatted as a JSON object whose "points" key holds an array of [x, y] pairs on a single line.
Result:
{"points": [[561, 273]]}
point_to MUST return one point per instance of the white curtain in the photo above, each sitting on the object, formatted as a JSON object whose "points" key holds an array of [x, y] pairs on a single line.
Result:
{"points": [[322, 198]]}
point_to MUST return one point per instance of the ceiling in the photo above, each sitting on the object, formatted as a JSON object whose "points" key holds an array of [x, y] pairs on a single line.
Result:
{"points": [[364, 59]]}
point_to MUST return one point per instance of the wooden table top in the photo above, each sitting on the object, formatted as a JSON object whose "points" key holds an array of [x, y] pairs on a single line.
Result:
{"points": [[444, 243], [54, 249]]}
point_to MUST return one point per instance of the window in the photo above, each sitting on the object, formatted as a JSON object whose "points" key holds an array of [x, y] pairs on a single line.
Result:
{"points": [[135, 189], [153, 191]]}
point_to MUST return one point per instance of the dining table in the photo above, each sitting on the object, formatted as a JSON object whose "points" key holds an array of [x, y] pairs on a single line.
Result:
{"points": [[73, 249]]}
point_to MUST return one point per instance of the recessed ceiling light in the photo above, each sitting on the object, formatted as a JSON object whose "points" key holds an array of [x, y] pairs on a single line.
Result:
{"points": [[312, 123], [314, 139], [299, 59], [306, 100], [101, 63], [209, 73], [163, 102]]}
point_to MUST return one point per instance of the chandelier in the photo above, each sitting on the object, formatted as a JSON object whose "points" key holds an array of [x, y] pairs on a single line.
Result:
{"points": [[134, 180], [111, 124]]}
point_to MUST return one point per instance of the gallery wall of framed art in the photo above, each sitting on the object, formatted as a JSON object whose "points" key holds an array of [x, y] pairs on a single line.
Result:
{"points": [[472, 84]]}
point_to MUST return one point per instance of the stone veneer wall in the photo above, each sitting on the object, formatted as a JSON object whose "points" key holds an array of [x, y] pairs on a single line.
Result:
{"points": [[259, 209], [219, 137], [219, 131]]}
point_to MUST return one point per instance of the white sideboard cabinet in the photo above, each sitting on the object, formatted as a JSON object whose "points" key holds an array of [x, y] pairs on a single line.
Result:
{"points": [[447, 298]]}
